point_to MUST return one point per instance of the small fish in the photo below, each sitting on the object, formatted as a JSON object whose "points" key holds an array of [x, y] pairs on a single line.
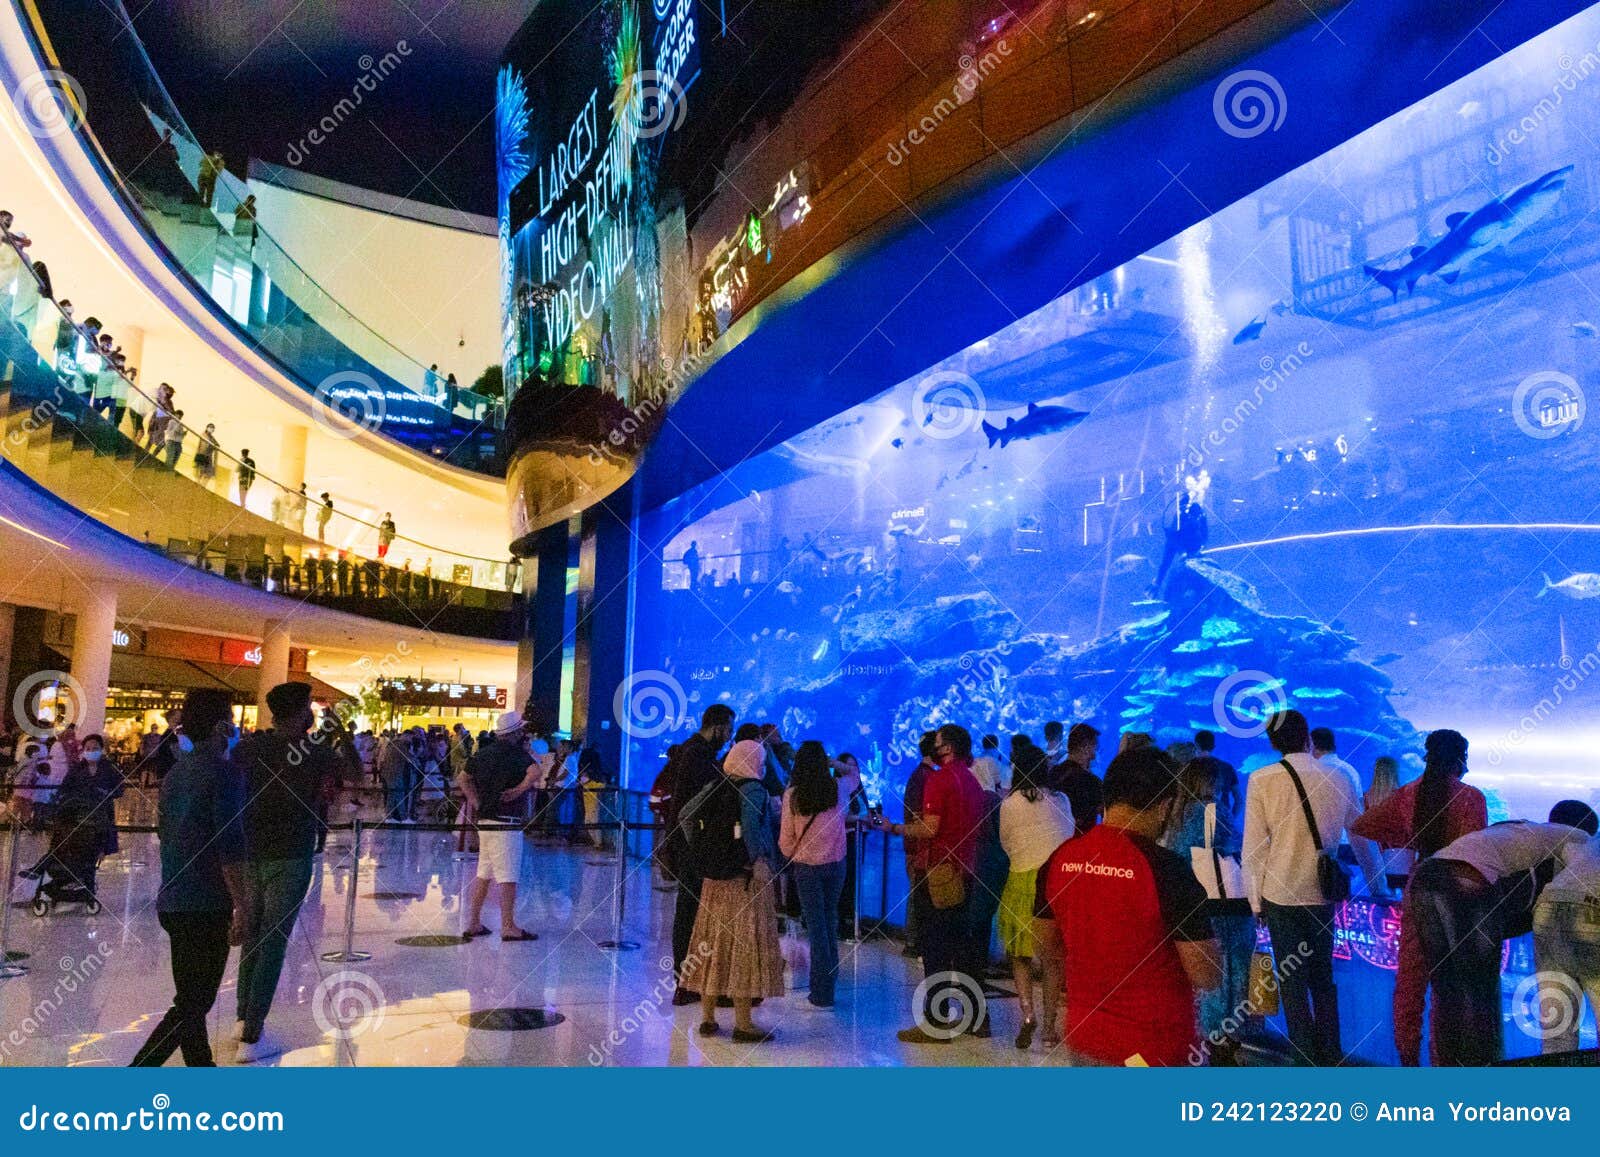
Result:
{"points": [[1252, 331], [1127, 563], [1574, 586], [1584, 329], [1386, 658], [1469, 110], [786, 587], [898, 443], [1038, 421]]}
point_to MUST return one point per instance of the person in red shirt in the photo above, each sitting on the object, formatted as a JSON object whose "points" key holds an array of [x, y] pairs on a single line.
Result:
{"points": [[1131, 917], [1424, 816], [946, 829]]}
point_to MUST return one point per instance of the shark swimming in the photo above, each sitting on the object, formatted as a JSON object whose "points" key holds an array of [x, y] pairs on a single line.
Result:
{"points": [[1038, 421], [1473, 234]]}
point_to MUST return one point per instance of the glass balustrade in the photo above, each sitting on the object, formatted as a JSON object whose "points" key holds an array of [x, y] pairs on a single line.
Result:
{"points": [[205, 219], [77, 425]]}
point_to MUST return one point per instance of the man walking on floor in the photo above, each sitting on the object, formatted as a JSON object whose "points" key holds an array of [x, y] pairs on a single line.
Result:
{"points": [[204, 895], [286, 774]]}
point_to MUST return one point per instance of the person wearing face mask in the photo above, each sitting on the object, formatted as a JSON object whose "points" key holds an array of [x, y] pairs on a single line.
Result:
{"points": [[287, 772], [93, 786], [694, 767], [204, 896], [1130, 914]]}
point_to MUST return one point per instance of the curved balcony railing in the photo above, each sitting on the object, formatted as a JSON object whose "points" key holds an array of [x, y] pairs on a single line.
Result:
{"points": [[204, 219], [77, 425]]}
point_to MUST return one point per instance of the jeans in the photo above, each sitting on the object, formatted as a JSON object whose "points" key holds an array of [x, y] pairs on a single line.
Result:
{"points": [[277, 888], [400, 791], [1459, 935], [1302, 946], [1566, 940], [683, 917], [199, 957], [820, 886]]}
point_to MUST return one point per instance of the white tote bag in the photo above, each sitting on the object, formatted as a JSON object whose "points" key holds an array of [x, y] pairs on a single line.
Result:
{"points": [[1220, 875]]}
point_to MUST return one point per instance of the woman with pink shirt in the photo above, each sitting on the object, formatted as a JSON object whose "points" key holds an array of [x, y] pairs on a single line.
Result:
{"points": [[811, 836]]}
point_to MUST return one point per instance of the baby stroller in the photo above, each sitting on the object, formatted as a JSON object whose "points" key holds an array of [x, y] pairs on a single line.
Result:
{"points": [[66, 874]]}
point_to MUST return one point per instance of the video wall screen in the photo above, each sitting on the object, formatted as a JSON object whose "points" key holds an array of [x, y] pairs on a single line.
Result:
{"points": [[1326, 449]]}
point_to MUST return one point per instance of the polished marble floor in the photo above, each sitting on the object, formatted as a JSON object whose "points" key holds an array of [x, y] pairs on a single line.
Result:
{"points": [[96, 984]]}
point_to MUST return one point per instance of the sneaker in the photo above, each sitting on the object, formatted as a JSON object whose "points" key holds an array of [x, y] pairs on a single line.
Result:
{"points": [[809, 1005], [915, 1036], [264, 1049]]}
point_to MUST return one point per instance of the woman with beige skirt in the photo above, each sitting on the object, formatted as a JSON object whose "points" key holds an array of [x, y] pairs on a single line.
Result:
{"points": [[736, 953]]}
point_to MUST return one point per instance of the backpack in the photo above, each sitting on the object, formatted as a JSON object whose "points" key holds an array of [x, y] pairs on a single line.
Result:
{"points": [[715, 840]]}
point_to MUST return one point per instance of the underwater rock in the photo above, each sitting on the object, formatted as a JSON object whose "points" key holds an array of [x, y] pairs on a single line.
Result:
{"points": [[963, 661], [951, 626]]}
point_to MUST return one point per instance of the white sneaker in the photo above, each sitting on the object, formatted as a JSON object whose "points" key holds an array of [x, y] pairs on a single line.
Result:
{"points": [[264, 1049]]}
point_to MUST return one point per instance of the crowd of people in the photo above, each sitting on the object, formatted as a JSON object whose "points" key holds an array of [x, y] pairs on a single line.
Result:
{"points": [[91, 362], [1129, 905]]}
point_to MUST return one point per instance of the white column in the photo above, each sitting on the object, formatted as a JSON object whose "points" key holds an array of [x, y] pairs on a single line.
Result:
{"points": [[274, 666], [91, 655], [292, 457]]}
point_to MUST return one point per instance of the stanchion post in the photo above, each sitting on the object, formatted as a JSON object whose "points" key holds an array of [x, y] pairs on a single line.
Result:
{"points": [[350, 955], [619, 904], [855, 882], [8, 967]]}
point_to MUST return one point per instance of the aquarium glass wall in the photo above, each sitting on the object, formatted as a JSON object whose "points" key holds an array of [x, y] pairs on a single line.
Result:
{"points": [[1327, 449]]}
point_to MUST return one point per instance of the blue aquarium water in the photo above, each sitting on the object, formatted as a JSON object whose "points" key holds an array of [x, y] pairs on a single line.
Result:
{"points": [[1327, 449]]}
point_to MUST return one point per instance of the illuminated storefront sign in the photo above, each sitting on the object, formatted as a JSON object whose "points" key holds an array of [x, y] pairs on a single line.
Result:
{"points": [[430, 693]]}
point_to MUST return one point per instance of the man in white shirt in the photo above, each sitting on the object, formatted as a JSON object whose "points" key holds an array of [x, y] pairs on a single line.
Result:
{"points": [[986, 768], [1324, 751], [1465, 900], [1566, 944], [1280, 867]]}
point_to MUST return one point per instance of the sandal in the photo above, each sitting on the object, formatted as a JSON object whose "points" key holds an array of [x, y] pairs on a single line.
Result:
{"points": [[474, 933], [521, 935], [1025, 1034]]}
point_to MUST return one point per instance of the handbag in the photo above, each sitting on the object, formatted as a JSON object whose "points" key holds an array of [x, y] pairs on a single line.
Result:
{"points": [[1221, 876], [1332, 879], [947, 886], [1262, 993]]}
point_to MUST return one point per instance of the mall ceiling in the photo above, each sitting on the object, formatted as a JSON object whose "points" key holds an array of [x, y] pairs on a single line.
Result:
{"points": [[255, 77]]}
